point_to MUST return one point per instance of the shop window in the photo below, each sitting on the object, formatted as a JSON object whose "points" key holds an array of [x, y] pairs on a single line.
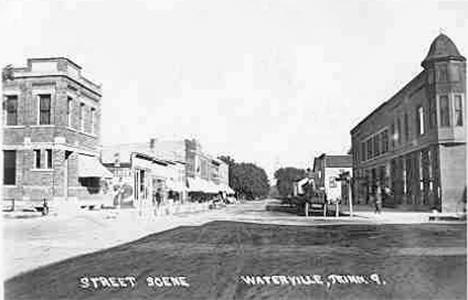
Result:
{"points": [[9, 167], [44, 109], [458, 110], [12, 110], [444, 111]]}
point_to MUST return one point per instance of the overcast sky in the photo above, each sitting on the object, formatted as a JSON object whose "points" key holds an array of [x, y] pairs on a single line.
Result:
{"points": [[265, 81]]}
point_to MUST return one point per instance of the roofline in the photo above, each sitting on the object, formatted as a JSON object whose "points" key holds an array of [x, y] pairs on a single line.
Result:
{"points": [[54, 58], [389, 101]]}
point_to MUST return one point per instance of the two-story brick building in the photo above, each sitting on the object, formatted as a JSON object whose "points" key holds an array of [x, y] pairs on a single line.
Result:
{"points": [[51, 131], [415, 143]]}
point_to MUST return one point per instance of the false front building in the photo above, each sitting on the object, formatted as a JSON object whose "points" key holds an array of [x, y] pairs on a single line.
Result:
{"points": [[50, 133], [414, 144]]}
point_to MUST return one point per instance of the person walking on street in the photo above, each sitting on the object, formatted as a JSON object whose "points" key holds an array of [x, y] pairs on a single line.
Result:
{"points": [[378, 199]]}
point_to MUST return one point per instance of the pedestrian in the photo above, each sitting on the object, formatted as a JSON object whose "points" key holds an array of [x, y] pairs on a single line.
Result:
{"points": [[378, 199]]}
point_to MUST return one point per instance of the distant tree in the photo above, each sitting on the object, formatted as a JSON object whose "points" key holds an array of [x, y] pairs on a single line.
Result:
{"points": [[247, 179], [250, 180], [285, 177]]}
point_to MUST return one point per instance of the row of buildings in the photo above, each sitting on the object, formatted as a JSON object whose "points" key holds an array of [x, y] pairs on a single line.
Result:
{"points": [[51, 147], [413, 145]]}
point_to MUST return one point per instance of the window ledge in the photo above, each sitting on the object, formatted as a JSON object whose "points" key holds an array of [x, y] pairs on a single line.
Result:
{"points": [[10, 185], [43, 125], [42, 170], [14, 126]]}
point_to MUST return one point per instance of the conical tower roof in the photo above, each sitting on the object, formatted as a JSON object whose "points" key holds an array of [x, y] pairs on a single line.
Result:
{"points": [[442, 48]]}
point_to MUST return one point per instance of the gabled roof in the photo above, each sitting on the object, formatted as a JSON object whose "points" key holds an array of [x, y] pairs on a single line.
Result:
{"points": [[332, 161], [338, 161]]}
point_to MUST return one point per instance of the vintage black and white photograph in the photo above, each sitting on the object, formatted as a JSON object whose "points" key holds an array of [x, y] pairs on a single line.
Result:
{"points": [[233, 149]]}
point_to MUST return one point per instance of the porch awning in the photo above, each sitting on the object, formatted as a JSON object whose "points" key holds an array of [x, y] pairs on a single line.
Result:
{"points": [[89, 166]]}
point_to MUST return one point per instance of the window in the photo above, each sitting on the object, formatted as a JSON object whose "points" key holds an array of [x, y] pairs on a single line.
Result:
{"points": [[69, 111], [403, 163], [392, 131], [49, 159], [44, 109], [420, 171], [442, 73], [384, 140], [9, 167], [399, 131], [82, 107], [93, 116], [429, 169], [12, 110], [37, 159], [376, 139], [369, 148], [420, 120], [458, 110], [444, 111], [406, 127], [363, 151]]}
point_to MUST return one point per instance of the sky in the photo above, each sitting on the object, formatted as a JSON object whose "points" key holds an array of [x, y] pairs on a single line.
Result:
{"points": [[273, 82]]}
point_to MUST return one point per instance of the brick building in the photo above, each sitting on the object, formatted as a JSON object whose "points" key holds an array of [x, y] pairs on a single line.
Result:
{"points": [[51, 129], [415, 143]]}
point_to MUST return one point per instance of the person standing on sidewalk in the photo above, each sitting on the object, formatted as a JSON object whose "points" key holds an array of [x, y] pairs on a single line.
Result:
{"points": [[378, 199]]}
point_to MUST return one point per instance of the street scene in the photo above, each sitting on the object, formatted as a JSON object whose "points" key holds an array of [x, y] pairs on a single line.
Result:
{"points": [[259, 149]]}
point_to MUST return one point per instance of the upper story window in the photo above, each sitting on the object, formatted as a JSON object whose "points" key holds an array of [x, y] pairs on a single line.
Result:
{"points": [[9, 167], [384, 140], [69, 111], [93, 120], [444, 111], [406, 127], [44, 109], [392, 131], [376, 145], [399, 131], [420, 120], [82, 109], [369, 148], [12, 110], [48, 158], [458, 110], [37, 158], [363, 151]]}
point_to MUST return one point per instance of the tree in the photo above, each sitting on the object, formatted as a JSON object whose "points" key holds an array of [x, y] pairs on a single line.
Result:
{"points": [[247, 179], [285, 177], [7, 73]]}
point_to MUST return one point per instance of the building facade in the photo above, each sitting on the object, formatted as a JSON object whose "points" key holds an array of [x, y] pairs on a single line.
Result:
{"points": [[327, 170], [51, 132], [414, 144]]}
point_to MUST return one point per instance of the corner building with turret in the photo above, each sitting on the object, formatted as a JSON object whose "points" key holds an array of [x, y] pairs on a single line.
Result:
{"points": [[414, 144]]}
